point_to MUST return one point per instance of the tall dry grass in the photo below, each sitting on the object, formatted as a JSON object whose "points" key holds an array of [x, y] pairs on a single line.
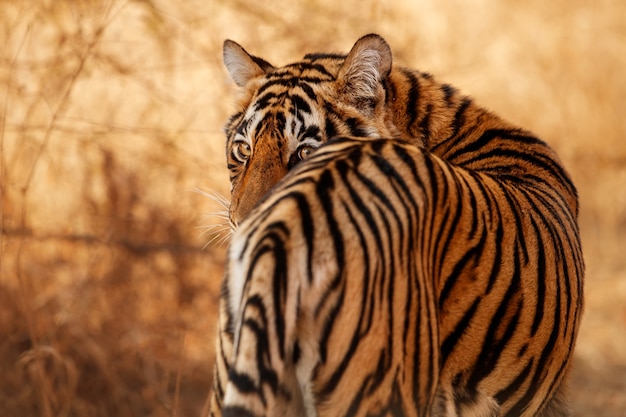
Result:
{"points": [[111, 114]]}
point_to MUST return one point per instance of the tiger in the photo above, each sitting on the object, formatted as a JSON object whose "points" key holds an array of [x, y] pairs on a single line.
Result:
{"points": [[397, 248]]}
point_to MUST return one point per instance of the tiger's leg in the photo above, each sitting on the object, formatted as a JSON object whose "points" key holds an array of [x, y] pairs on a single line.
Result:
{"points": [[557, 406], [223, 354], [217, 393], [258, 341], [461, 402]]}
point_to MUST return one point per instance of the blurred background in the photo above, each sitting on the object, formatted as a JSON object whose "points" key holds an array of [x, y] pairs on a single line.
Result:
{"points": [[110, 121]]}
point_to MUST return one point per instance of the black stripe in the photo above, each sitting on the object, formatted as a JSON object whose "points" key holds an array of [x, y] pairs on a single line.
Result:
{"points": [[459, 116], [457, 123], [368, 313], [413, 93], [355, 128], [452, 340], [540, 281], [490, 353], [424, 124], [237, 411], [308, 90], [300, 104], [448, 92], [471, 254], [322, 55], [513, 388]]}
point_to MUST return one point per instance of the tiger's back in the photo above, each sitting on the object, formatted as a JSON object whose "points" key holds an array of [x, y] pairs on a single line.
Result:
{"points": [[504, 257], [324, 278]]}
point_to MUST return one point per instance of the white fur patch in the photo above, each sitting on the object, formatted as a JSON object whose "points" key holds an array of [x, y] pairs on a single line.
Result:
{"points": [[236, 278], [363, 75], [240, 65]]}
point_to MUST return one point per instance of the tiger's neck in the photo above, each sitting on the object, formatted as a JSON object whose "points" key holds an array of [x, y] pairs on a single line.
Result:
{"points": [[435, 113], [453, 127]]}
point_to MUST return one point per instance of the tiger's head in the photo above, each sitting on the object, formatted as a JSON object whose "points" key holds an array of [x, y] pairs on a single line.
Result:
{"points": [[285, 113]]}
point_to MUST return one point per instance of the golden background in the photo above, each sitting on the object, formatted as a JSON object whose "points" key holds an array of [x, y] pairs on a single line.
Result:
{"points": [[111, 116]]}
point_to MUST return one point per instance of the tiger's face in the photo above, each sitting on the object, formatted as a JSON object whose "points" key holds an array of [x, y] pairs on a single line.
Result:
{"points": [[286, 113]]}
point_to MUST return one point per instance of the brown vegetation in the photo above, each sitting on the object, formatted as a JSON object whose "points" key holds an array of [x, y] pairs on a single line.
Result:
{"points": [[111, 115]]}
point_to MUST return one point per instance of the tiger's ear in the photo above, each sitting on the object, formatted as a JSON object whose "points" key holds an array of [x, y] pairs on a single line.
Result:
{"points": [[241, 65], [365, 67]]}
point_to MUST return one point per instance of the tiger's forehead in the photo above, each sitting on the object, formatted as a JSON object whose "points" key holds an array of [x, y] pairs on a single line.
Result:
{"points": [[285, 116], [289, 100], [291, 83], [312, 69], [287, 95]]}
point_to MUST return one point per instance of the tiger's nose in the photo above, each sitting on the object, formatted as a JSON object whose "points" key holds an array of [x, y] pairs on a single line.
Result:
{"points": [[258, 180]]}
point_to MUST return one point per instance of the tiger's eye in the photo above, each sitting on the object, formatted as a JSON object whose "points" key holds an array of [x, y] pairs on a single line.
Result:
{"points": [[242, 151], [305, 152]]}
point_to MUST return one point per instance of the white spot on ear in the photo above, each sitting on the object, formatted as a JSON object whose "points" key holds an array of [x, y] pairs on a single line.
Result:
{"points": [[362, 77], [365, 67], [241, 65]]}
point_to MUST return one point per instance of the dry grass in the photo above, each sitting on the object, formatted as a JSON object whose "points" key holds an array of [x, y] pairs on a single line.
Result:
{"points": [[111, 113]]}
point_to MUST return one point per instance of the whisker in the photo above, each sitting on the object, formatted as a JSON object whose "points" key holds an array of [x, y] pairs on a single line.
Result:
{"points": [[213, 228], [224, 240], [215, 238], [217, 217], [215, 196], [219, 231]]}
